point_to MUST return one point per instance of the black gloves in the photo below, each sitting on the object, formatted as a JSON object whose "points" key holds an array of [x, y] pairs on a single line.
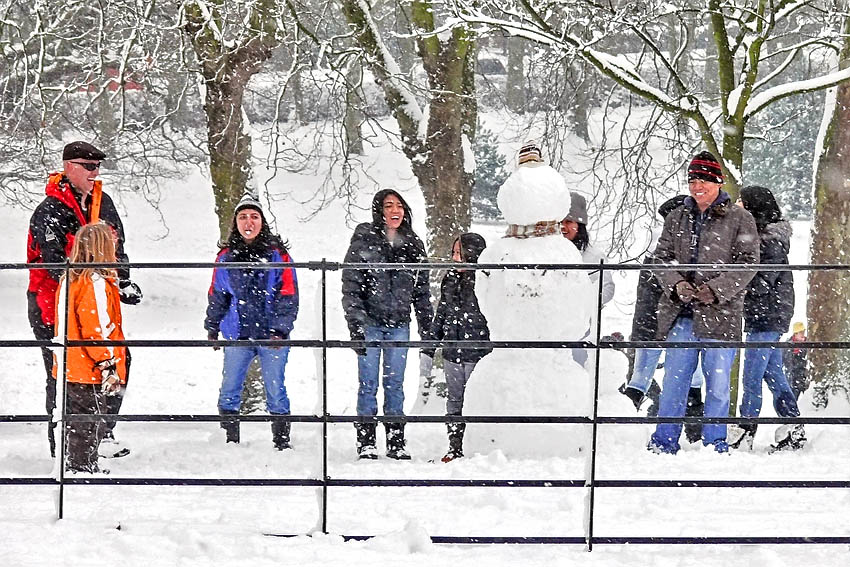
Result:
{"points": [[213, 336], [129, 292], [358, 335]]}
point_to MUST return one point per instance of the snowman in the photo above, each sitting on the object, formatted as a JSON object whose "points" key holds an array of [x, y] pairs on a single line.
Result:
{"points": [[531, 305]]}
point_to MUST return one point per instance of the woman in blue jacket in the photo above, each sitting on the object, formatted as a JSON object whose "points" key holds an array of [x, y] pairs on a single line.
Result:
{"points": [[253, 303]]}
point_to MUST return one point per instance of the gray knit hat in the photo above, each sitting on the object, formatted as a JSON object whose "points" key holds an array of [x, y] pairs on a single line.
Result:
{"points": [[248, 201], [578, 208]]}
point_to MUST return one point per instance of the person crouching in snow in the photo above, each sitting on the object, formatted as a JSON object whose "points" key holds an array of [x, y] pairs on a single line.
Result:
{"points": [[377, 308], [768, 308], [91, 372], [574, 228], [458, 318], [253, 303]]}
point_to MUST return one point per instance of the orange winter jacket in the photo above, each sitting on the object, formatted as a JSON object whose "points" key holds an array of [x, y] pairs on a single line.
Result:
{"points": [[94, 313]]}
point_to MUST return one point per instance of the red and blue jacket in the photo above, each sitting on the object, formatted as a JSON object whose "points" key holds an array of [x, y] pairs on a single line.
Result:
{"points": [[255, 302]]}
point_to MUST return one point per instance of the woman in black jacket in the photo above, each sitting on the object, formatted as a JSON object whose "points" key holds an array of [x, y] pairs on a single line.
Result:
{"points": [[377, 306], [459, 318], [768, 308]]}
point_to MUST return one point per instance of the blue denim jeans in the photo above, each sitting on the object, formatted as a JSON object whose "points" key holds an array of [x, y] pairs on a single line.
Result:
{"points": [[646, 362], [394, 362], [273, 366], [679, 368], [766, 364]]}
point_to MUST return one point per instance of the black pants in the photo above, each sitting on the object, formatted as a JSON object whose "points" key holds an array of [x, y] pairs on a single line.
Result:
{"points": [[82, 438], [44, 332]]}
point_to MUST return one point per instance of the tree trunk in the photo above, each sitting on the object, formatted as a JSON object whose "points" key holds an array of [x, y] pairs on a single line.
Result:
{"points": [[353, 113], [515, 83], [829, 291]]}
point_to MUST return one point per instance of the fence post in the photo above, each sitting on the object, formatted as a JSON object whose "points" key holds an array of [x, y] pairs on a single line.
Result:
{"points": [[591, 477], [61, 404], [324, 400]]}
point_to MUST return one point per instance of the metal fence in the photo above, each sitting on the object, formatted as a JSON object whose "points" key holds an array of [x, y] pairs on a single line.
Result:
{"points": [[590, 483]]}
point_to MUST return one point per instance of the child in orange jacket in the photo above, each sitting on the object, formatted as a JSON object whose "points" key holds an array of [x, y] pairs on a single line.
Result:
{"points": [[91, 372]]}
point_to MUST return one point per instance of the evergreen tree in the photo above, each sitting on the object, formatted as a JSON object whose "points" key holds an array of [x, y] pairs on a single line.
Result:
{"points": [[489, 175]]}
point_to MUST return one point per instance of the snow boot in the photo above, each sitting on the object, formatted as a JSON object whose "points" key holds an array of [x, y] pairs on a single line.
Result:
{"points": [[635, 395], [109, 448], [790, 437], [366, 448], [456, 431], [742, 436], [693, 431], [230, 424], [654, 394], [396, 442], [280, 434]]}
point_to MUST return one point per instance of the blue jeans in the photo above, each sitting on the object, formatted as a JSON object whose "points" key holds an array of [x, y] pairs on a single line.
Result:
{"points": [[766, 364], [394, 362], [646, 362], [272, 364], [679, 368]]}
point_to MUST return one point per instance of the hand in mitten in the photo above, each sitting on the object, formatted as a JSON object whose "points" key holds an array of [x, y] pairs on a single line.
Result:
{"points": [[129, 293], [426, 363], [213, 336], [110, 384], [704, 295], [685, 290]]}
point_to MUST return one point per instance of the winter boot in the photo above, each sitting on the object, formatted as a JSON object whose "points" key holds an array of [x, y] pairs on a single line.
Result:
{"points": [[230, 424], [396, 442], [654, 394], [456, 431], [790, 437], [693, 431], [110, 448], [280, 434], [366, 448], [635, 395], [742, 436]]}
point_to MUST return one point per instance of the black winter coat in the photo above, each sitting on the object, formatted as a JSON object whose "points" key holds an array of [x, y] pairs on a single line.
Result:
{"points": [[382, 298], [459, 317], [769, 303], [649, 291]]}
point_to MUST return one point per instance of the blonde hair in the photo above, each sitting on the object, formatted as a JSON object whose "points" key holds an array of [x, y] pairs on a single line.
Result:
{"points": [[93, 244]]}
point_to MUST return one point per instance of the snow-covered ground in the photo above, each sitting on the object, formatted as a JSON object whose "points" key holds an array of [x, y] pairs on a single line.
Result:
{"points": [[131, 525]]}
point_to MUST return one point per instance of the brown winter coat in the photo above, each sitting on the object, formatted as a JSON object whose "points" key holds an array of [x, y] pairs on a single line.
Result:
{"points": [[729, 236]]}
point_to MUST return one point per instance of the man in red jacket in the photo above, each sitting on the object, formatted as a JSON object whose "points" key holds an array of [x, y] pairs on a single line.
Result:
{"points": [[74, 197]]}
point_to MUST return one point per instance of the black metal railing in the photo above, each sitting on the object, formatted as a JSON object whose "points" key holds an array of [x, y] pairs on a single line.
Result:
{"points": [[591, 483]]}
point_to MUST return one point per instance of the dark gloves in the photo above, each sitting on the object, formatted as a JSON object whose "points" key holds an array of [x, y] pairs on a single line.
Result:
{"points": [[213, 336], [704, 295], [358, 335], [685, 291], [129, 292]]}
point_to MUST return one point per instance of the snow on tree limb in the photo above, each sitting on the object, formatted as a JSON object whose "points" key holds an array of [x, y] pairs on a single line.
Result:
{"points": [[771, 95]]}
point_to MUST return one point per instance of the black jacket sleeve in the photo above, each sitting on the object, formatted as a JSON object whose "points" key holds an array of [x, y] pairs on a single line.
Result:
{"points": [[354, 288]]}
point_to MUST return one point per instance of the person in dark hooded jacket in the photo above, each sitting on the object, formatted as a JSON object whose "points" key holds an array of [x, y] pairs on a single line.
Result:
{"points": [[253, 303], [377, 306], [459, 318], [768, 308]]}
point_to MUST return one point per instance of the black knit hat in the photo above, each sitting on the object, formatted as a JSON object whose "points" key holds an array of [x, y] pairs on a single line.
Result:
{"points": [[81, 150], [705, 166], [248, 201], [760, 203]]}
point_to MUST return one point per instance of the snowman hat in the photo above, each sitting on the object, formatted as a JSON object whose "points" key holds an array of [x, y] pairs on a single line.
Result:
{"points": [[798, 327], [530, 153]]}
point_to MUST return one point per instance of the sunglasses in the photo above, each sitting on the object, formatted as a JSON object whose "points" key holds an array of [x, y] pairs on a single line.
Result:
{"points": [[87, 165]]}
